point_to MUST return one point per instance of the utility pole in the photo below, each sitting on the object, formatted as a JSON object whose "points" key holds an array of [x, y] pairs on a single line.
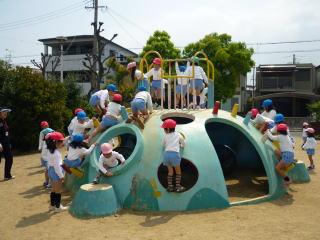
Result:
{"points": [[95, 48], [294, 59]]}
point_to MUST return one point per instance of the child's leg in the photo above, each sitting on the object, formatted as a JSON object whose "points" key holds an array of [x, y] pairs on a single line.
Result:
{"points": [[46, 176], [311, 160], [277, 152], [280, 168], [169, 179], [177, 169], [95, 132]]}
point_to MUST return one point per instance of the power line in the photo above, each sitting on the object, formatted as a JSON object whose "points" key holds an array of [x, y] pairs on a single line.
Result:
{"points": [[42, 18], [284, 42], [288, 51]]}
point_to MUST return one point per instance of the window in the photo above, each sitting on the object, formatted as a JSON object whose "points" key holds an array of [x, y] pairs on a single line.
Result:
{"points": [[303, 75]]}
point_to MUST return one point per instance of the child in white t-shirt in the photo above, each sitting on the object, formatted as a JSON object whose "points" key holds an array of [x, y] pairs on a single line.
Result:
{"points": [[156, 74], [112, 116], [305, 125], [172, 142], [286, 148], [310, 146], [107, 160], [136, 74]]}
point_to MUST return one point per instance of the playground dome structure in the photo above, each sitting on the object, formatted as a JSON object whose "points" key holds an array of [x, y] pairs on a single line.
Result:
{"points": [[224, 163]]}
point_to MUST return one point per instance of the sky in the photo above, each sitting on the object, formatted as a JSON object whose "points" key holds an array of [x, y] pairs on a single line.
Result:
{"points": [[22, 23]]}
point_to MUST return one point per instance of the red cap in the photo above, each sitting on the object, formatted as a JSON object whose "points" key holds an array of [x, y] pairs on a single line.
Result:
{"points": [[117, 97], [157, 61], [57, 136], [77, 110], [282, 127], [44, 124], [254, 112], [169, 123]]}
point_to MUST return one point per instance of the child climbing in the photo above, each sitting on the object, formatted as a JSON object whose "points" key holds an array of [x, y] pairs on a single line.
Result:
{"points": [[77, 151], [286, 148], [182, 86], [107, 160], [112, 116], [82, 124], [156, 86], [254, 113], [136, 74], [203, 97], [43, 149], [74, 120], [55, 141], [265, 120], [99, 99], [310, 146], [196, 84], [142, 103], [305, 125], [172, 142]]}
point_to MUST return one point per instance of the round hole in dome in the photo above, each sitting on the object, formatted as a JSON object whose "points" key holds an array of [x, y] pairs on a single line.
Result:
{"points": [[189, 174], [179, 117]]}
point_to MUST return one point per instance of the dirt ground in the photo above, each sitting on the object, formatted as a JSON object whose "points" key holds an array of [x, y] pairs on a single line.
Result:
{"points": [[24, 214]]}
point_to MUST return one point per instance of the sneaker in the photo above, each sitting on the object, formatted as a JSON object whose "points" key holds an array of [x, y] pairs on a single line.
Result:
{"points": [[9, 178], [287, 183], [180, 189], [45, 184], [95, 181], [51, 208], [60, 209], [311, 167], [170, 189], [48, 186]]}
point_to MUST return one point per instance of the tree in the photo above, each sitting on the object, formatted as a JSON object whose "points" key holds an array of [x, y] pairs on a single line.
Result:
{"points": [[160, 41], [32, 100], [229, 58], [314, 108], [44, 63]]}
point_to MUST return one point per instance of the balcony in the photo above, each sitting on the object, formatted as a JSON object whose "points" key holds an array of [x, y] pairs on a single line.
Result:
{"points": [[276, 83]]}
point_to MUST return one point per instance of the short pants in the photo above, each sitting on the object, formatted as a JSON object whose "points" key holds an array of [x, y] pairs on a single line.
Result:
{"points": [[310, 151], [94, 100], [156, 84], [287, 157], [53, 175], [171, 158], [184, 89], [196, 83], [72, 163], [44, 163], [108, 121], [138, 104]]}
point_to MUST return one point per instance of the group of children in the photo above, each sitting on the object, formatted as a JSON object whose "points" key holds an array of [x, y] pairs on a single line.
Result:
{"points": [[196, 88], [273, 126]]}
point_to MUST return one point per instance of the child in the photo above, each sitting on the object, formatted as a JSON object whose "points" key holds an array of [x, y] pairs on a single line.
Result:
{"points": [[138, 104], [74, 120], [182, 86], [112, 116], [82, 123], [286, 148], [172, 142], [43, 148], [138, 75], [310, 146], [254, 113], [305, 125], [55, 141], [155, 72], [99, 99], [108, 159], [200, 77], [77, 151]]}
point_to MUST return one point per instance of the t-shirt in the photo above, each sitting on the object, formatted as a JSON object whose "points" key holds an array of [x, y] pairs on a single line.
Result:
{"points": [[114, 110], [55, 161], [271, 114], [105, 163], [182, 81], [76, 153], [198, 73], [311, 143], [146, 97], [173, 141], [80, 127], [155, 74], [286, 145], [103, 95]]}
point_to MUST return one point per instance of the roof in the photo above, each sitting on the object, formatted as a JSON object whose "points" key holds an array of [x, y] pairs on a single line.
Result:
{"points": [[78, 38], [263, 67], [289, 95]]}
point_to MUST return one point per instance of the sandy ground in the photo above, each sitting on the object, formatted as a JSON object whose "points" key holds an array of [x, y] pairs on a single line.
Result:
{"points": [[24, 215]]}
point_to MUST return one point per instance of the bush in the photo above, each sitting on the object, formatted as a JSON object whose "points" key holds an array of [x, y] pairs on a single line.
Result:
{"points": [[32, 100], [315, 109]]}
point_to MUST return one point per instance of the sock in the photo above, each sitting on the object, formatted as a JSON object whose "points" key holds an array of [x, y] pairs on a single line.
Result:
{"points": [[58, 200], [178, 180], [190, 98], [286, 178], [198, 100], [170, 181], [52, 198]]}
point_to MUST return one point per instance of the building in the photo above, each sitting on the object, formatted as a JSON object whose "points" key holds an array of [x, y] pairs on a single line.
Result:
{"points": [[74, 49], [290, 86], [240, 97]]}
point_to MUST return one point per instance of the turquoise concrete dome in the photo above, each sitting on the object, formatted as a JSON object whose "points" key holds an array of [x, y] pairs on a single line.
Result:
{"points": [[219, 148]]}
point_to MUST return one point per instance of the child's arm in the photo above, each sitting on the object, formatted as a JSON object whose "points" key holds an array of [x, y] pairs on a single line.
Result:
{"points": [[119, 156], [272, 137], [149, 103], [100, 165], [56, 165], [103, 98], [182, 141], [149, 74], [40, 141], [177, 68], [85, 152]]}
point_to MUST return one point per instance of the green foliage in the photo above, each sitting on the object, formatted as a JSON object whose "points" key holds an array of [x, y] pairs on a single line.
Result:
{"points": [[32, 100], [315, 109], [160, 41], [229, 58]]}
